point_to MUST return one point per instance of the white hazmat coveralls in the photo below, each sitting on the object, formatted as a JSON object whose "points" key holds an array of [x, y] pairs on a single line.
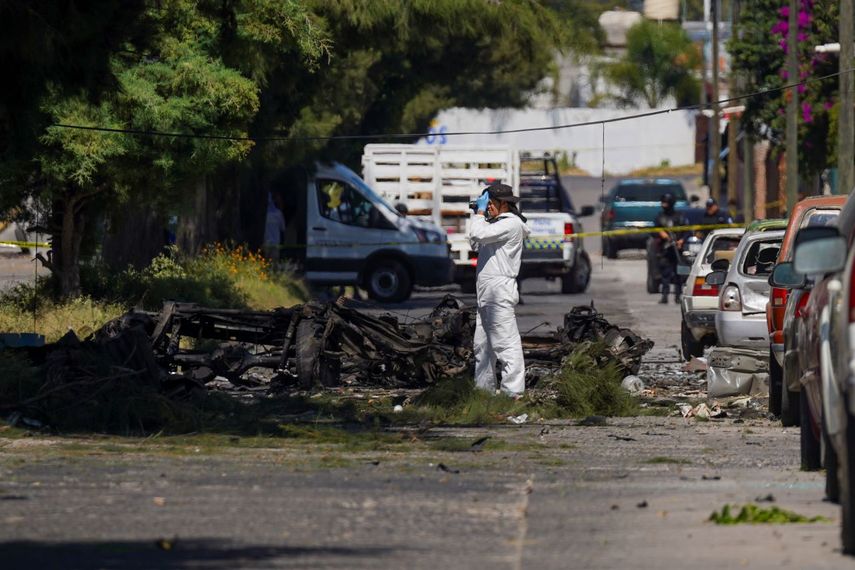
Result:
{"points": [[500, 245]]}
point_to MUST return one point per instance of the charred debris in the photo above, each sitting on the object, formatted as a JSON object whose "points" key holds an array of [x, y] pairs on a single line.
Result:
{"points": [[185, 347]]}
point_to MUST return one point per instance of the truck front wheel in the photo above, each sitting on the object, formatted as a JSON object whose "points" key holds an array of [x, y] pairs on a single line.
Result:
{"points": [[388, 281], [577, 279]]}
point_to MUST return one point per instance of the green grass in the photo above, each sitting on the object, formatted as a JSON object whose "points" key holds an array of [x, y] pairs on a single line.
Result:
{"points": [[53, 319], [752, 514], [662, 460]]}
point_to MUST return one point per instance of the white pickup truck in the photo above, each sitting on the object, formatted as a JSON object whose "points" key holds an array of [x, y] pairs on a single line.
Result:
{"points": [[438, 182]]}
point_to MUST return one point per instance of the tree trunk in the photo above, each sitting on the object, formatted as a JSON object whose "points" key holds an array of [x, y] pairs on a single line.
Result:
{"points": [[67, 262]]}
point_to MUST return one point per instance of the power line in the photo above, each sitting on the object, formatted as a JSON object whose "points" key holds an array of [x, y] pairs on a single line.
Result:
{"points": [[275, 138]]}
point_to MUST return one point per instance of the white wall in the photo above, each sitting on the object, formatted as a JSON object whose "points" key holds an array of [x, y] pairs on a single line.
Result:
{"points": [[629, 145]]}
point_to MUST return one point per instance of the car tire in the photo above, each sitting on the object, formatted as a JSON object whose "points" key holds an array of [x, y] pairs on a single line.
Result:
{"points": [[388, 281], [576, 281], [691, 347], [789, 407], [609, 249], [847, 485], [831, 463], [811, 453], [776, 383]]}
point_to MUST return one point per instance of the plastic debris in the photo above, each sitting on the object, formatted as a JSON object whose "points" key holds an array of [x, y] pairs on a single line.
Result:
{"points": [[520, 419], [633, 384]]}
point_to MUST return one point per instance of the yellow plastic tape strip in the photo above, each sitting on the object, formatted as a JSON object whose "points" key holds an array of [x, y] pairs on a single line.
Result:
{"points": [[25, 243]]}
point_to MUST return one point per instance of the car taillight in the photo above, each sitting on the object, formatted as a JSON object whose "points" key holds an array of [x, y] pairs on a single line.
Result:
{"points": [[800, 308], [703, 289], [610, 215], [779, 297], [568, 230], [730, 300]]}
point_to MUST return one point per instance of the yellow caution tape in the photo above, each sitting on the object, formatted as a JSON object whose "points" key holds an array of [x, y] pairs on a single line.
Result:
{"points": [[25, 243]]}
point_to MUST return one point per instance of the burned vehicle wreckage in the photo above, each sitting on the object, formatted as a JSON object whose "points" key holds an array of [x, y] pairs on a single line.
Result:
{"points": [[325, 345]]}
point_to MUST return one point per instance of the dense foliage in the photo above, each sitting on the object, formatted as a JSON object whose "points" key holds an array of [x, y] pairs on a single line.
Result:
{"points": [[660, 64], [758, 51], [244, 70]]}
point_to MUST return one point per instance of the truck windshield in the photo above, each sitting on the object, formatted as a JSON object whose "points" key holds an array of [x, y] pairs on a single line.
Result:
{"points": [[377, 199], [648, 192]]}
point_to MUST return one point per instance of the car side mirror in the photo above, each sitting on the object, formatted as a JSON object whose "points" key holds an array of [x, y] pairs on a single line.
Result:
{"points": [[586, 211], [720, 265], [820, 256], [716, 277], [785, 276]]}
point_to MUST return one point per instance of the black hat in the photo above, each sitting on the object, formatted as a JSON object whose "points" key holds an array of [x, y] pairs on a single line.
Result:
{"points": [[668, 198], [502, 192]]}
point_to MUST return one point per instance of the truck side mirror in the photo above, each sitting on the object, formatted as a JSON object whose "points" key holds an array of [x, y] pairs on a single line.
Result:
{"points": [[586, 211], [785, 276]]}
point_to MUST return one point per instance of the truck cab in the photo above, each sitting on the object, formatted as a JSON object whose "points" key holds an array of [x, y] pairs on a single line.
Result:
{"points": [[344, 233]]}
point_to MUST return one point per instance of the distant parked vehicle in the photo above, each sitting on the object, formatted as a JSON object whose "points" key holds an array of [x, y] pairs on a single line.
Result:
{"points": [[353, 236], [699, 302], [634, 204], [783, 360], [744, 290]]}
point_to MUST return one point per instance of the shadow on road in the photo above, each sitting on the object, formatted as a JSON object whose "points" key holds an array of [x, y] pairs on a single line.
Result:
{"points": [[178, 554]]}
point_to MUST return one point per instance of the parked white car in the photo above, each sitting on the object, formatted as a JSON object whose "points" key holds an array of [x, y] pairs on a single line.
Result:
{"points": [[699, 302], [744, 291]]}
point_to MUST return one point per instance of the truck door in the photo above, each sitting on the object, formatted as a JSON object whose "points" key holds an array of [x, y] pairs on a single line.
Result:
{"points": [[344, 228]]}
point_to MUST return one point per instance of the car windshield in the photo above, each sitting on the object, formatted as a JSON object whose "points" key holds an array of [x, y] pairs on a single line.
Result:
{"points": [[815, 218], [648, 192], [760, 258], [721, 243]]}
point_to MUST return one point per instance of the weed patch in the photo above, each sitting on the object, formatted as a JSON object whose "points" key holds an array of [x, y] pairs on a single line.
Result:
{"points": [[661, 460], [752, 514]]}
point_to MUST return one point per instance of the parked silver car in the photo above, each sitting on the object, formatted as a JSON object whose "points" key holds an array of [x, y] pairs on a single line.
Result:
{"points": [[741, 318], [699, 302]]}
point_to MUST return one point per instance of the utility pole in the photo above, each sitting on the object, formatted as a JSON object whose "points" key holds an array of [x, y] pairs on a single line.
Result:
{"points": [[792, 139], [846, 127], [733, 122], [715, 131]]}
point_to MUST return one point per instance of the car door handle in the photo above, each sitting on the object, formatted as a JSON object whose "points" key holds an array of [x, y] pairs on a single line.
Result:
{"points": [[319, 229]]}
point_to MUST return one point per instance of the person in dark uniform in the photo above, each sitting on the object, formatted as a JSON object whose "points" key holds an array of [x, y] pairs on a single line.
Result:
{"points": [[669, 245], [714, 216]]}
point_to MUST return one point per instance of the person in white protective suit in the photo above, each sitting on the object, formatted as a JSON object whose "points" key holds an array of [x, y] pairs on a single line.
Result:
{"points": [[499, 240]]}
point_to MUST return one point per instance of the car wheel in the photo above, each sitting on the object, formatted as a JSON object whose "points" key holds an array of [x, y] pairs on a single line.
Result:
{"points": [[776, 383], [831, 463], [388, 281], [691, 347], [847, 485], [789, 406], [810, 449], [576, 281], [609, 249]]}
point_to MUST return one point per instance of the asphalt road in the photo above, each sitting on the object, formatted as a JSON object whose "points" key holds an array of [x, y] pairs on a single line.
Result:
{"points": [[635, 493]]}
